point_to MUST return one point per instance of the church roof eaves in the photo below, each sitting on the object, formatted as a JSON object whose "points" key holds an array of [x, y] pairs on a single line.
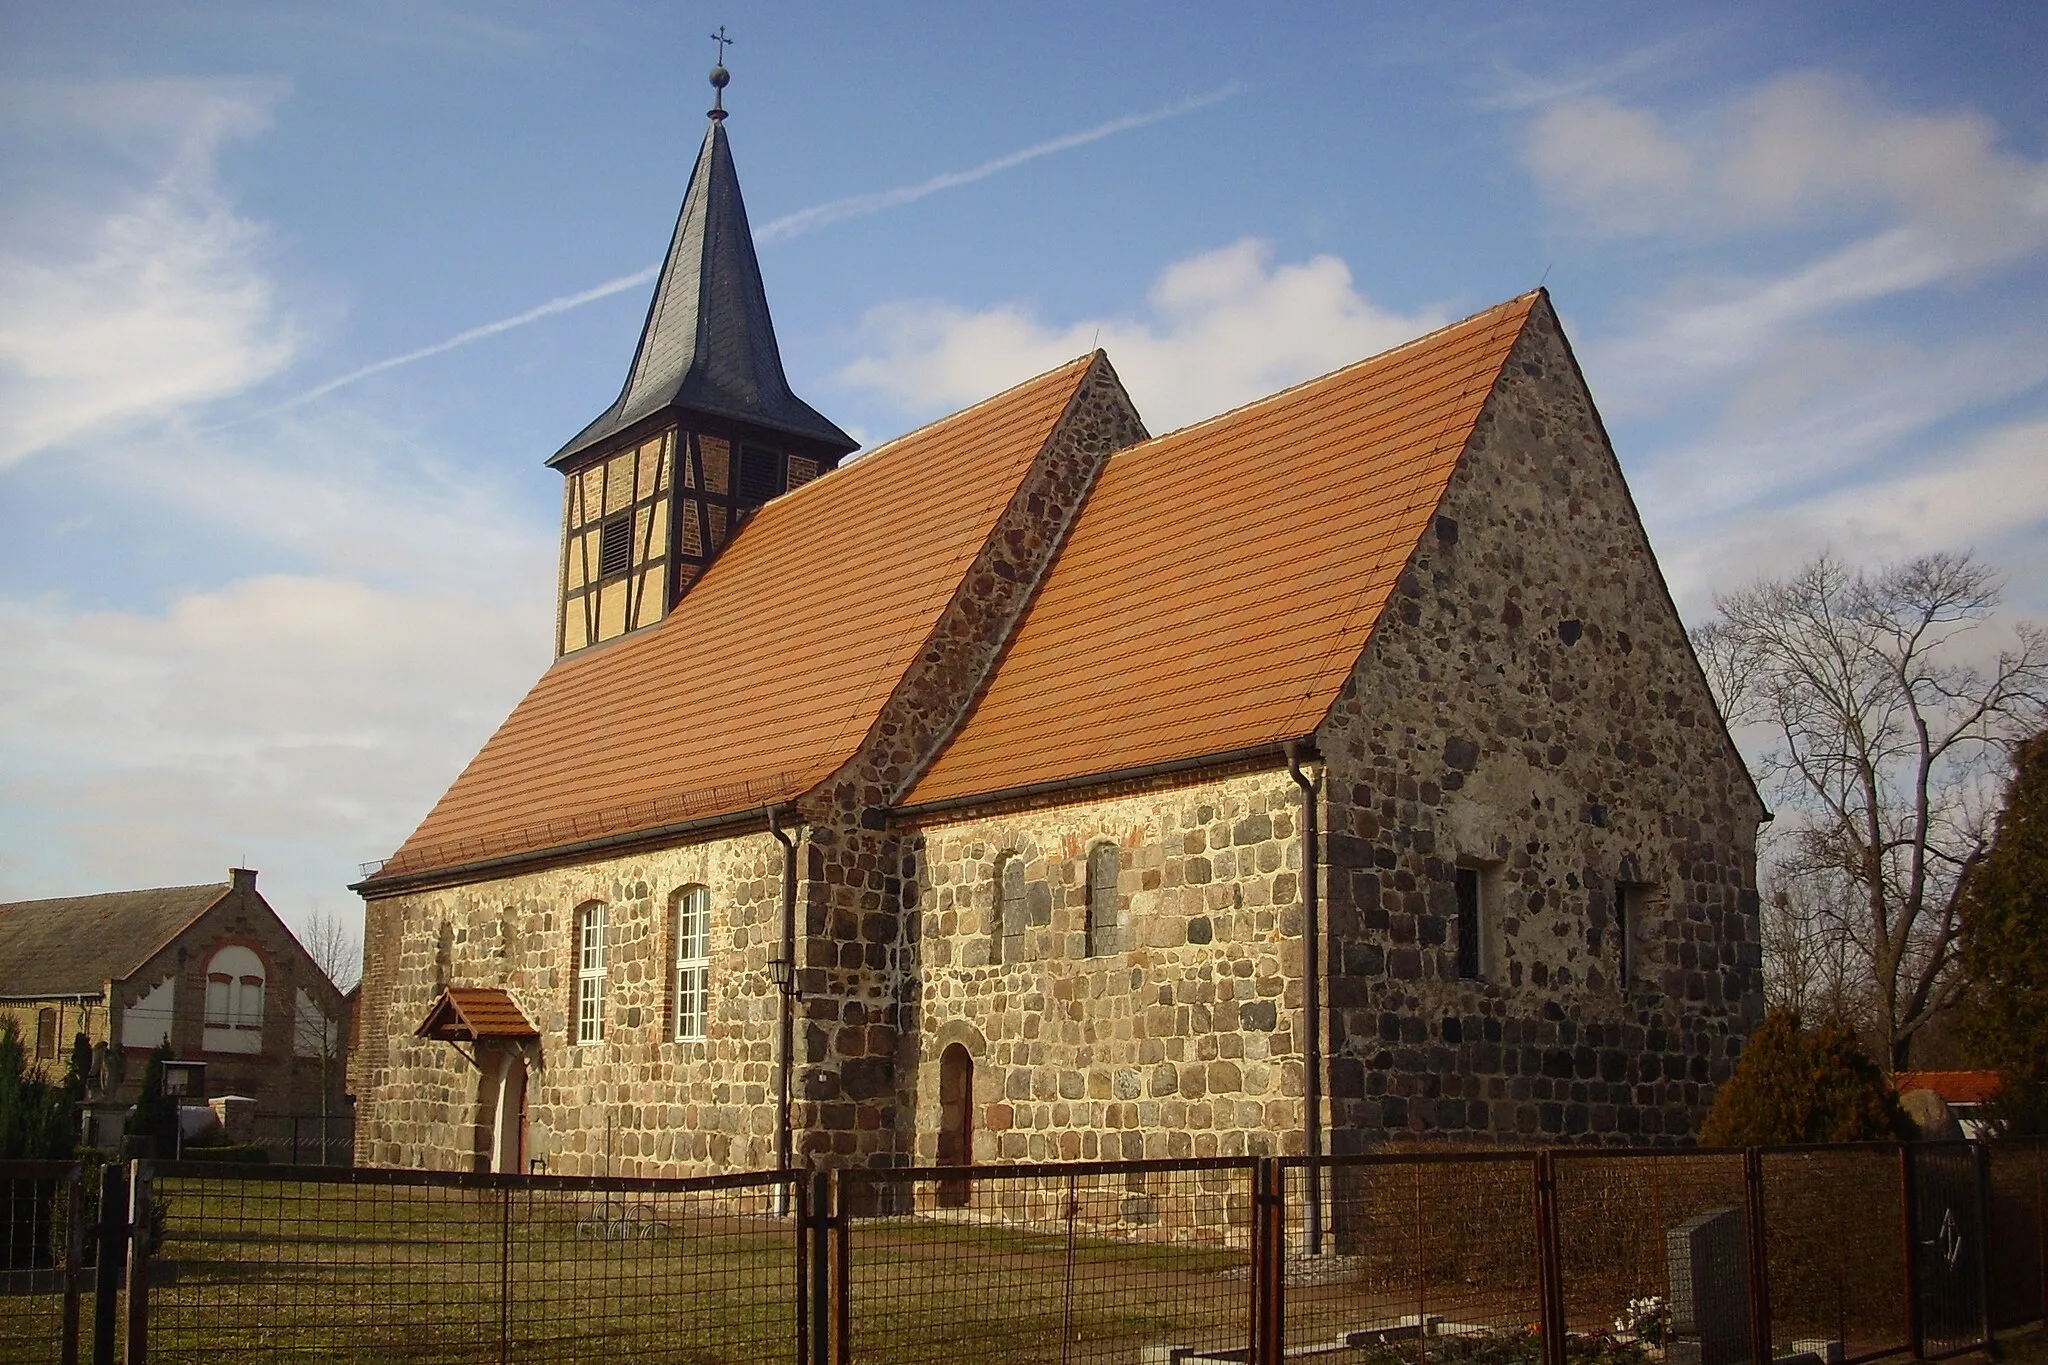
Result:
{"points": [[765, 678], [1224, 578], [708, 343]]}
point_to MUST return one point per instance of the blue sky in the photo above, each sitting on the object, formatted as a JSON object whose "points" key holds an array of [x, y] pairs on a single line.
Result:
{"points": [[247, 613]]}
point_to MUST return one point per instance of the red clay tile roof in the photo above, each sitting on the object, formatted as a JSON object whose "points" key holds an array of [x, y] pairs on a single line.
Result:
{"points": [[766, 677], [74, 945], [465, 1014], [1223, 579], [1957, 1087]]}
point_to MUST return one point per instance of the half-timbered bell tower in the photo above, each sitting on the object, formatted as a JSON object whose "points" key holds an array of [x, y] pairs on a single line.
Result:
{"points": [[704, 431]]}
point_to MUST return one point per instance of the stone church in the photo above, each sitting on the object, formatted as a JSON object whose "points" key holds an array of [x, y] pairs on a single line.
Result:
{"points": [[1032, 787]]}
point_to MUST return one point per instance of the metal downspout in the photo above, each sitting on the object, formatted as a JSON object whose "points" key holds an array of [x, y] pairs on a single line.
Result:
{"points": [[783, 972], [1312, 992]]}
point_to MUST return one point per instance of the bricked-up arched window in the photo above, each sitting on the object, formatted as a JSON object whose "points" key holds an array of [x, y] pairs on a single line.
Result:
{"points": [[693, 961], [1010, 908], [1102, 920], [590, 973]]}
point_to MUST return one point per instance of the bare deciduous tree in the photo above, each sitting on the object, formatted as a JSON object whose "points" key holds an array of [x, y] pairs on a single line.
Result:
{"points": [[1882, 743], [336, 947]]}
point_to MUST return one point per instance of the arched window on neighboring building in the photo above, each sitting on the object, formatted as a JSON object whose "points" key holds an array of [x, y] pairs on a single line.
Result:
{"points": [[692, 929], [1011, 914], [46, 1033], [590, 973], [1102, 919], [234, 1000]]}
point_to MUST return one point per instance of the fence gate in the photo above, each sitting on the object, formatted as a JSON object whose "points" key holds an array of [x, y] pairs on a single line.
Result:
{"points": [[1948, 1245]]}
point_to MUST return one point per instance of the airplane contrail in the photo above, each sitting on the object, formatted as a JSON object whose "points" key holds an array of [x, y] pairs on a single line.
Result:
{"points": [[777, 230]]}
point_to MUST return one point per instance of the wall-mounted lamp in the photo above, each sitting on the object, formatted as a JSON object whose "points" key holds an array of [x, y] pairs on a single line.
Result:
{"points": [[779, 972]]}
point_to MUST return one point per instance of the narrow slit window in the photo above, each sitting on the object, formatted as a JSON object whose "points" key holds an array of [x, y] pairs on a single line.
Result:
{"points": [[615, 546], [693, 962], [1102, 920], [1631, 918], [1468, 923], [1010, 908], [590, 974]]}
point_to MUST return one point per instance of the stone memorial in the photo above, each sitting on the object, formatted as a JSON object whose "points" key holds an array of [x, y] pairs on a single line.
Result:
{"points": [[1708, 1263]]}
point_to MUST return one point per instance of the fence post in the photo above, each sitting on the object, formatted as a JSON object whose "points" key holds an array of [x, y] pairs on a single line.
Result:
{"points": [[1909, 1230], [817, 1207], [1759, 1251], [504, 1270], [108, 1258], [1983, 1155], [1549, 1260], [1269, 1262], [842, 1273], [794, 1195], [74, 1233], [140, 1175]]}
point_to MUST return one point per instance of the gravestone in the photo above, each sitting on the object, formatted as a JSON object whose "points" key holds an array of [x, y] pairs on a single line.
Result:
{"points": [[1708, 1262]]}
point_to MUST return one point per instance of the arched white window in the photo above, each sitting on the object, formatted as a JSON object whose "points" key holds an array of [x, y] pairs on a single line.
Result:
{"points": [[234, 1000], [590, 973], [693, 961]]}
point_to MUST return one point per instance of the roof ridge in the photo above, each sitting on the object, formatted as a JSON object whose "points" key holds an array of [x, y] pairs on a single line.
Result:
{"points": [[102, 895], [1328, 375], [863, 457]]}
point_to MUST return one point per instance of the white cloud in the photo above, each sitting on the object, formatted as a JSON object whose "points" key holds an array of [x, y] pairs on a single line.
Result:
{"points": [[1620, 167], [1227, 326], [1990, 494], [152, 304], [302, 722]]}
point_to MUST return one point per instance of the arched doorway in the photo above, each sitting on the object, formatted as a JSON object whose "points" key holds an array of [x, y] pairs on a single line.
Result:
{"points": [[956, 1120], [508, 1116]]}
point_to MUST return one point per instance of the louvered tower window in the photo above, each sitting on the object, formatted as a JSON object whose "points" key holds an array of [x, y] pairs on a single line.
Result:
{"points": [[615, 546], [760, 474]]}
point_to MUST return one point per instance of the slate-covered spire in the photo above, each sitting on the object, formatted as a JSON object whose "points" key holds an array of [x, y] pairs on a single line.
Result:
{"points": [[708, 344]]}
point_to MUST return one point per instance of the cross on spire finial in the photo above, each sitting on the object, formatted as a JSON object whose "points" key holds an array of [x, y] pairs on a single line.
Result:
{"points": [[719, 77]]}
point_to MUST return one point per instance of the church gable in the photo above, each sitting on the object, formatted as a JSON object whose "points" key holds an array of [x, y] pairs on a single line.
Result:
{"points": [[1547, 840], [769, 676], [1223, 578]]}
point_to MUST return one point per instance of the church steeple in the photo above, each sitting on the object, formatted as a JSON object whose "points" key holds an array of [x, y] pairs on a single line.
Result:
{"points": [[705, 429], [708, 343]]}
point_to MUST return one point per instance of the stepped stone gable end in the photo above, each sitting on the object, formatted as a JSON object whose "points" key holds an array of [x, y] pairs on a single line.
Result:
{"points": [[1529, 703]]}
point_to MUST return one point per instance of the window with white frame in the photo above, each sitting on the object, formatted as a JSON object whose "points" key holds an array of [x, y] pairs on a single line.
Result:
{"points": [[693, 961], [234, 1000], [590, 974]]}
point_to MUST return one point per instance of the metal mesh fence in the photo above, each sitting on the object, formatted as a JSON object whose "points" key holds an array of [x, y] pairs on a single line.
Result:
{"points": [[2018, 1232], [1834, 1225], [1425, 1257], [1099, 1262], [1652, 1249], [348, 1265], [42, 1211]]}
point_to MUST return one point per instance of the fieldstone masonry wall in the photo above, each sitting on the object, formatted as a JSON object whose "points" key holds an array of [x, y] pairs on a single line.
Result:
{"points": [[1529, 707], [1181, 1036]]}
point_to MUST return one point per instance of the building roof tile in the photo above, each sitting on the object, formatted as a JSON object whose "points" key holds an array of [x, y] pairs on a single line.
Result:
{"points": [[767, 676], [74, 945], [1956, 1087], [468, 1014], [1223, 579]]}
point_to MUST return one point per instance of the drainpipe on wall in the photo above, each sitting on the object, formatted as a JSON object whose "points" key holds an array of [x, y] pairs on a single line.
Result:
{"points": [[783, 972], [1312, 991]]}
